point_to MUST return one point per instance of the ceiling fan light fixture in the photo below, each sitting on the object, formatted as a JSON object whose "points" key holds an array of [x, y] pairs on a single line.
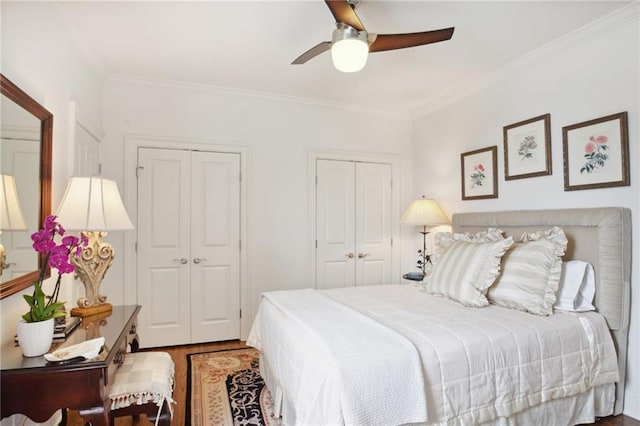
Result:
{"points": [[349, 49]]}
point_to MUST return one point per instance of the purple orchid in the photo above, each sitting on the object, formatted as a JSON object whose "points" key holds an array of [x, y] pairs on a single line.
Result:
{"points": [[57, 256]]}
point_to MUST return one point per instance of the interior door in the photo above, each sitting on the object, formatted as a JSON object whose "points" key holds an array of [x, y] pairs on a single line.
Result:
{"points": [[373, 224], [335, 224], [21, 158], [215, 246], [353, 223], [188, 246], [164, 260], [86, 153]]}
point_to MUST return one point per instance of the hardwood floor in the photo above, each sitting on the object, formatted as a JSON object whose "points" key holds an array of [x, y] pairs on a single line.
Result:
{"points": [[179, 356]]}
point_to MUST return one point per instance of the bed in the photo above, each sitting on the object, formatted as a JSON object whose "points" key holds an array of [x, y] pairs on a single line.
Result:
{"points": [[387, 355]]}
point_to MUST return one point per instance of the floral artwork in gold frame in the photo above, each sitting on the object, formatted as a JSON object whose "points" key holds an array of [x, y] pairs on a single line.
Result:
{"points": [[479, 173], [596, 153], [527, 148]]}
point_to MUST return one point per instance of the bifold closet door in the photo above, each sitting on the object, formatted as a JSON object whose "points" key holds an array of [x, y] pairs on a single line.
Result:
{"points": [[215, 246], [164, 274], [335, 223], [188, 246], [373, 224], [21, 158], [353, 223]]}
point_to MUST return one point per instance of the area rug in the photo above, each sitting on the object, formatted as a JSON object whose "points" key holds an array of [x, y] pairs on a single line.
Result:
{"points": [[225, 388]]}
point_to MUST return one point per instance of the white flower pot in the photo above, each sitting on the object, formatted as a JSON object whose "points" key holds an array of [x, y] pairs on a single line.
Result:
{"points": [[35, 337]]}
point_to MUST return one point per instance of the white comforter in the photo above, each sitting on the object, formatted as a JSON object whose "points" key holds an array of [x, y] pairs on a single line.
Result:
{"points": [[477, 363]]}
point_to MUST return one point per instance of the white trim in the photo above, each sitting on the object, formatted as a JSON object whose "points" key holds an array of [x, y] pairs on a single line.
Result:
{"points": [[365, 157], [132, 143], [612, 22], [21, 132]]}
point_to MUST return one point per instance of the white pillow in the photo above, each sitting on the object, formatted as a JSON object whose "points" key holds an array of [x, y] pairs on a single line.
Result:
{"points": [[531, 272], [466, 270], [577, 287]]}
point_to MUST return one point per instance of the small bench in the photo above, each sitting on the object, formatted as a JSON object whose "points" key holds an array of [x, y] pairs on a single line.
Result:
{"points": [[143, 384]]}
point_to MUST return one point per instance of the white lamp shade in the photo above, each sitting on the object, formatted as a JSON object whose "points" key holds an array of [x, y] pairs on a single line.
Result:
{"points": [[349, 55], [93, 204], [11, 217], [425, 212]]}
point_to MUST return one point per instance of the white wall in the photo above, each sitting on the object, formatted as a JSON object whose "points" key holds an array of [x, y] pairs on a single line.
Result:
{"points": [[278, 135], [39, 56], [51, 70], [580, 81]]}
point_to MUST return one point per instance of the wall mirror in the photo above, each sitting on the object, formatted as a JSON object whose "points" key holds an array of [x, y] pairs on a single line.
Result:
{"points": [[26, 154]]}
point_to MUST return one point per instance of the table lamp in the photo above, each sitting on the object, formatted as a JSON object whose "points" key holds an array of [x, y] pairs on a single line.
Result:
{"points": [[93, 205], [427, 213], [11, 217]]}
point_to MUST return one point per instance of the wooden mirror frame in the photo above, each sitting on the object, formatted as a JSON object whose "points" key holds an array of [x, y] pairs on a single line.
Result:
{"points": [[25, 101]]}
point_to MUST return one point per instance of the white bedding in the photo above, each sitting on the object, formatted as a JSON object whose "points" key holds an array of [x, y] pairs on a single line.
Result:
{"points": [[347, 341], [477, 364]]}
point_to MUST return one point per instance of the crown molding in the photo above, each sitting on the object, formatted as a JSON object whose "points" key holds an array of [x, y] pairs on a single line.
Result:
{"points": [[626, 15], [255, 95]]}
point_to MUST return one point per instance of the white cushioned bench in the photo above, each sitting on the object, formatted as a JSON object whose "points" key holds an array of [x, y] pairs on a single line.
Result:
{"points": [[144, 385]]}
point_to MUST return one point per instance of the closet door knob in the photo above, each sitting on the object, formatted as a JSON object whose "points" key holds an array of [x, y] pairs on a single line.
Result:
{"points": [[197, 260], [182, 260], [349, 255], [362, 255]]}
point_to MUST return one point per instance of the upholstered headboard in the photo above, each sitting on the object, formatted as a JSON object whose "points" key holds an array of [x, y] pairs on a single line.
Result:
{"points": [[600, 236]]}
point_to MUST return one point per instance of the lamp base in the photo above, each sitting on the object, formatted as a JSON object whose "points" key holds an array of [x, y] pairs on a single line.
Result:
{"points": [[91, 310]]}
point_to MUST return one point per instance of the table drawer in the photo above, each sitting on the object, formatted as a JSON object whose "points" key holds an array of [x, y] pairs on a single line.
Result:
{"points": [[128, 343]]}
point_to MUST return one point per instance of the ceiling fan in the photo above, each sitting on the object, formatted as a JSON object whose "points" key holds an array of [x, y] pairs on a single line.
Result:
{"points": [[351, 43]]}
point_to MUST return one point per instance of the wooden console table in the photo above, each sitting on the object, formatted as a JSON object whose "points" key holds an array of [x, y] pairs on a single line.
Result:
{"points": [[36, 388]]}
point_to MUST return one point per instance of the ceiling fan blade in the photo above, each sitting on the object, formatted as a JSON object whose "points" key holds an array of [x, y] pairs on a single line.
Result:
{"points": [[343, 12], [400, 41], [312, 53]]}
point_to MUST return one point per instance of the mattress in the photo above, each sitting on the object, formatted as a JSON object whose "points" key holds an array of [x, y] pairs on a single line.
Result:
{"points": [[475, 365]]}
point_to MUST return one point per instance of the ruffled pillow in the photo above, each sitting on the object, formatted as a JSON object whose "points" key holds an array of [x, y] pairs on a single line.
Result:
{"points": [[531, 272], [444, 240], [466, 270]]}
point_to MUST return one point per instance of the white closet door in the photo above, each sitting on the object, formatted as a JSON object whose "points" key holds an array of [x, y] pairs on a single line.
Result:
{"points": [[335, 221], [373, 224], [164, 262], [215, 246], [21, 158], [86, 160], [353, 223]]}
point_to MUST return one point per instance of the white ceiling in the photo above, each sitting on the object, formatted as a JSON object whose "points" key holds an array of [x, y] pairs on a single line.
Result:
{"points": [[249, 45]]}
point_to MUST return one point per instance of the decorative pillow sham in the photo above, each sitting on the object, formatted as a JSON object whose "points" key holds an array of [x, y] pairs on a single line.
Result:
{"points": [[531, 272], [577, 287], [466, 270], [444, 240]]}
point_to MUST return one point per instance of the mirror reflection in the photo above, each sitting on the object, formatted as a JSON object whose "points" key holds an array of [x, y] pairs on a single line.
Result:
{"points": [[19, 158], [26, 131]]}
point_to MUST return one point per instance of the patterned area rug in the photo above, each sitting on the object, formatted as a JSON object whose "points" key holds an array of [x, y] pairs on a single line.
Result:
{"points": [[225, 389]]}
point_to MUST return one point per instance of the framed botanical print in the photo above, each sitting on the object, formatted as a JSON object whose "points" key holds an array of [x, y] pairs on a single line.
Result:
{"points": [[527, 148], [479, 173], [596, 153]]}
